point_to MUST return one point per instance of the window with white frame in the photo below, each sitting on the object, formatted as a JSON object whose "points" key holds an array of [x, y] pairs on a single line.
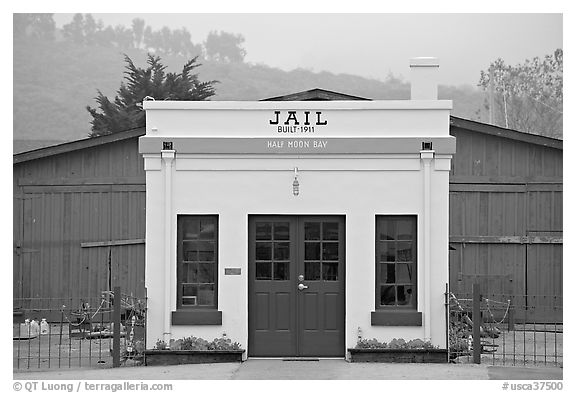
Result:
{"points": [[396, 253], [197, 272]]}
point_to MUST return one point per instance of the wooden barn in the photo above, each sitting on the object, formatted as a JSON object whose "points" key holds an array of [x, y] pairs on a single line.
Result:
{"points": [[79, 215], [79, 218], [506, 217]]}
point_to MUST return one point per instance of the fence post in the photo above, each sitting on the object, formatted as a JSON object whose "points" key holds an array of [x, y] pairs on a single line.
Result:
{"points": [[116, 329], [476, 297], [511, 318]]}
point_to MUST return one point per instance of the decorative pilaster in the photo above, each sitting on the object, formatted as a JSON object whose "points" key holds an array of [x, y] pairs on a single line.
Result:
{"points": [[427, 156], [168, 160]]}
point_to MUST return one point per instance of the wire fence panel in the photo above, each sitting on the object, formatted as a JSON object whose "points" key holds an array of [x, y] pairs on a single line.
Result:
{"points": [[77, 332], [511, 334]]}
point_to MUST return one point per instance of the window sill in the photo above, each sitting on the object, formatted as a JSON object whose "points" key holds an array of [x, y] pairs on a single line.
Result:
{"points": [[396, 318], [197, 317]]}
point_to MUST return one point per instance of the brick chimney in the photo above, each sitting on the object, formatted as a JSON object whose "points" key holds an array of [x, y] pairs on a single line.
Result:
{"points": [[424, 78]]}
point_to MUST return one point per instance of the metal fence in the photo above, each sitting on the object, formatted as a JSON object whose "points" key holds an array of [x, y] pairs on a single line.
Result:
{"points": [[505, 330], [108, 331]]}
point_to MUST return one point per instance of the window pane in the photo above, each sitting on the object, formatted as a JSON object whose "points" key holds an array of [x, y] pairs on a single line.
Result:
{"points": [[263, 231], [388, 273], [207, 229], [281, 231], [404, 294], [330, 231], [404, 273], [405, 229], [263, 270], [387, 251], [190, 228], [263, 251], [311, 231], [206, 295], [281, 251], [206, 273], [312, 271], [189, 290], [387, 230], [312, 251], [206, 251], [404, 251], [189, 272], [190, 300], [330, 271], [190, 251], [329, 251], [281, 270], [387, 295]]}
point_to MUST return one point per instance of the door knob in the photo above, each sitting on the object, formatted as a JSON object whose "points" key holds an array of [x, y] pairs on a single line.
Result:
{"points": [[302, 286]]}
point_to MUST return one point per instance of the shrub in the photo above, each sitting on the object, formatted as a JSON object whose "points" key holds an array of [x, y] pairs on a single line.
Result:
{"points": [[161, 344], [372, 343], [193, 343], [397, 343], [223, 344]]}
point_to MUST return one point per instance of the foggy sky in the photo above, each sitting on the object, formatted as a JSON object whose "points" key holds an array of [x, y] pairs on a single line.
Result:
{"points": [[372, 45]]}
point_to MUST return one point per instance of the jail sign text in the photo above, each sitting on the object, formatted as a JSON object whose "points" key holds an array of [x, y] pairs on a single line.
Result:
{"points": [[296, 144], [290, 122]]}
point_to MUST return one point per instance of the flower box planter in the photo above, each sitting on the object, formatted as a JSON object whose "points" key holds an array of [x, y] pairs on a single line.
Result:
{"points": [[389, 355], [167, 357]]}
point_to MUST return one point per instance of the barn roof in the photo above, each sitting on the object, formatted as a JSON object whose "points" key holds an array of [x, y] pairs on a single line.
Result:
{"points": [[308, 95], [78, 145], [490, 129]]}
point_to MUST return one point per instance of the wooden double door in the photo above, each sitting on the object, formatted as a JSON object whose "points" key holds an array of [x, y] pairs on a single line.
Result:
{"points": [[296, 300]]}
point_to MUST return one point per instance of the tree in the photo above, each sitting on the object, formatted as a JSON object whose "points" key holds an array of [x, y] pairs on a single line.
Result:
{"points": [[138, 31], [125, 111], [147, 38], [152, 40], [165, 38], [34, 25], [75, 29], [189, 48], [527, 97], [90, 29], [105, 37], [225, 47], [123, 37]]}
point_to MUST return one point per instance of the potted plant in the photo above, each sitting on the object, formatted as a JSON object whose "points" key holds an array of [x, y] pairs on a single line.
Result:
{"points": [[397, 351], [192, 350]]}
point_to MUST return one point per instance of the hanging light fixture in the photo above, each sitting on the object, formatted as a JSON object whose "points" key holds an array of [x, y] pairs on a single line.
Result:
{"points": [[295, 183]]}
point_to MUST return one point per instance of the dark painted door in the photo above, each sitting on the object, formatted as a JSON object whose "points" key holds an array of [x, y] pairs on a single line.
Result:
{"points": [[296, 286]]}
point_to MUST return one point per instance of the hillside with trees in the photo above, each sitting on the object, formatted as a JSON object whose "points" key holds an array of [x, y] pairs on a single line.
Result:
{"points": [[58, 73]]}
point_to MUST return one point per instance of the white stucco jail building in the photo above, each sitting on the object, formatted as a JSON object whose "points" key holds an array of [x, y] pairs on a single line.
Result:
{"points": [[295, 226]]}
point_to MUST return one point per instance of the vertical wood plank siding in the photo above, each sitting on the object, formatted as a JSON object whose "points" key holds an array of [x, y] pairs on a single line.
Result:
{"points": [[503, 187], [89, 195]]}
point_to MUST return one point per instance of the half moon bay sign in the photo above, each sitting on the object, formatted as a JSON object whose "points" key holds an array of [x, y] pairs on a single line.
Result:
{"points": [[296, 144]]}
